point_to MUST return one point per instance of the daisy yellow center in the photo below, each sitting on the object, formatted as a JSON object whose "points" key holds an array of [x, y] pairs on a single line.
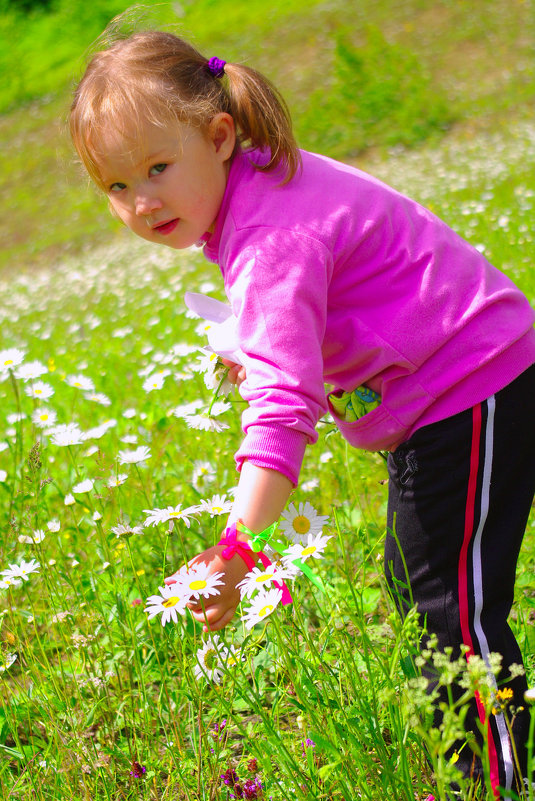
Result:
{"points": [[43, 417], [38, 391], [217, 509], [308, 550], [171, 601], [301, 524], [232, 661], [266, 610], [174, 514], [210, 659], [200, 584], [8, 362], [263, 577]]}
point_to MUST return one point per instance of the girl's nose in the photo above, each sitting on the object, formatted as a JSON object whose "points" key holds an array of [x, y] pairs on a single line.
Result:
{"points": [[146, 204]]}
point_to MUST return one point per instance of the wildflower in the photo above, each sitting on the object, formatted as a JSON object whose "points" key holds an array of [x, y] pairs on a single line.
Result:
{"points": [[218, 729], [42, 418], [314, 547], [187, 409], [9, 581], [129, 413], [67, 434], [252, 765], [140, 454], [98, 397], [80, 382], [197, 581], [137, 769], [529, 695], [203, 472], [22, 571], [83, 486], [299, 522], [6, 661], [204, 422], [53, 525], [116, 481], [252, 788], [98, 431], [217, 505], [209, 663], [39, 390], [262, 577], [69, 500], [230, 777], [30, 370], [9, 359], [37, 536], [501, 697], [169, 604], [261, 606], [125, 531], [156, 516], [3, 476], [155, 381]]}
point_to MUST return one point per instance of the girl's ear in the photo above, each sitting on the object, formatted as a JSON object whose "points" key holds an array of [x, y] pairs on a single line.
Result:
{"points": [[222, 132]]}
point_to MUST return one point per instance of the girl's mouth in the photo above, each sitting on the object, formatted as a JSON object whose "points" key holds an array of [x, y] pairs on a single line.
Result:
{"points": [[166, 227]]}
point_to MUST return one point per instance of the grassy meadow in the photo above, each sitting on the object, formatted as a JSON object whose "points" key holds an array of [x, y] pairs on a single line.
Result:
{"points": [[110, 432]]}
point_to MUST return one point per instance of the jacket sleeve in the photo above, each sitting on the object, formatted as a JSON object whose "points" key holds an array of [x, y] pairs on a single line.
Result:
{"points": [[277, 286]]}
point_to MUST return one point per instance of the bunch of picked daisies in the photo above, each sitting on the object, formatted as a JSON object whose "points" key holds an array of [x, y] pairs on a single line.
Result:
{"points": [[261, 590]]}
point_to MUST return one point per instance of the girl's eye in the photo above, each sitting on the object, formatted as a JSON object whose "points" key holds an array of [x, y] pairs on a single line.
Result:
{"points": [[157, 169], [117, 187]]}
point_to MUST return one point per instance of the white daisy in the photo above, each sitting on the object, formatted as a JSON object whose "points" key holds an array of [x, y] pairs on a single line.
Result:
{"points": [[98, 431], [116, 481], [169, 604], [83, 486], [312, 548], [203, 422], [209, 665], [98, 397], [66, 434], [124, 531], [9, 359], [22, 571], [16, 417], [299, 522], [42, 418], [36, 537], [69, 500], [30, 371], [80, 382], [262, 605], [129, 413], [220, 407], [203, 473], [217, 505], [8, 581], [3, 476], [39, 390], [260, 578], [197, 581], [214, 658], [187, 409], [6, 662], [136, 456], [53, 525], [155, 381], [156, 516]]}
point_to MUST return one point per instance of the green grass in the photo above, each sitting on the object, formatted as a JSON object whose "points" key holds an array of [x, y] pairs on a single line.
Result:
{"points": [[94, 684]]}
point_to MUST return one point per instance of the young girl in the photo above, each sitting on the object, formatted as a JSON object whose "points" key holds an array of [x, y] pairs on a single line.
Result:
{"points": [[335, 278]]}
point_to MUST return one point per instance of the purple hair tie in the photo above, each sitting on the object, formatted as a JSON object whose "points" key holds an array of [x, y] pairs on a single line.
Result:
{"points": [[216, 67]]}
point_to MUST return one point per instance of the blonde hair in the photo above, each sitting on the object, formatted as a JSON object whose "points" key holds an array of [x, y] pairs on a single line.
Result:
{"points": [[157, 77]]}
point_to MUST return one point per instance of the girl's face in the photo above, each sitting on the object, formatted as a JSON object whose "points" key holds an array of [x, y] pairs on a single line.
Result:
{"points": [[169, 187]]}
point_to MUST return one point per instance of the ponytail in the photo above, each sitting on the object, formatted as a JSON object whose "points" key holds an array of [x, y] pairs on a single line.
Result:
{"points": [[262, 118]]}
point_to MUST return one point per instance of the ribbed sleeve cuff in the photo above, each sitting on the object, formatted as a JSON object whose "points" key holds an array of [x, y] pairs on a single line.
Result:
{"points": [[276, 447]]}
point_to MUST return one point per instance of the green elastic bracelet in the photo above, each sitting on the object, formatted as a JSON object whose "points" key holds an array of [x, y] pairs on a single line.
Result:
{"points": [[258, 541]]}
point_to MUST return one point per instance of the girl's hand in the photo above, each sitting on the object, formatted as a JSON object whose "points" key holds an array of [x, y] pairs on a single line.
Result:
{"points": [[218, 609], [236, 373]]}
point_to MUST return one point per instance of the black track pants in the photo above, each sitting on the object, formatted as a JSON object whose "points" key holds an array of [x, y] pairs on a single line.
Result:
{"points": [[460, 494]]}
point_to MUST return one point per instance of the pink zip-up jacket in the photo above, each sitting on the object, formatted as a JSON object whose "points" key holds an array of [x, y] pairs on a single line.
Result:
{"points": [[336, 278]]}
